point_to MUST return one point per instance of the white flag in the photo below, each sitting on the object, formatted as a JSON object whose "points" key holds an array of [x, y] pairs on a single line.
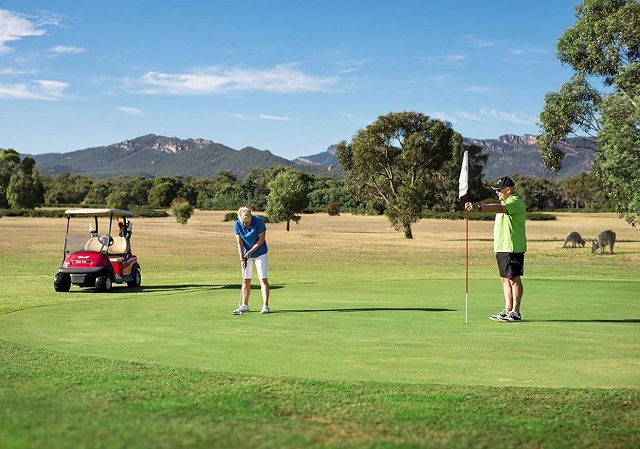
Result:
{"points": [[463, 182]]}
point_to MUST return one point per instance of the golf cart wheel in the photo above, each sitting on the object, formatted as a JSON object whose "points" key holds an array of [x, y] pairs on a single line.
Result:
{"points": [[61, 282], [137, 277], [103, 283]]}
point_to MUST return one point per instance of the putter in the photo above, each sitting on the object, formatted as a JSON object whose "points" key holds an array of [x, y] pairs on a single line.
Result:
{"points": [[244, 267]]}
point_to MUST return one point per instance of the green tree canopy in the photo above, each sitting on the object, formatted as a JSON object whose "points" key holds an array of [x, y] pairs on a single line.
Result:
{"points": [[602, 47], [9, 165], [66, 188], [98, 193], [25, 189], [163, 191], [287, 198], [399, 160]]}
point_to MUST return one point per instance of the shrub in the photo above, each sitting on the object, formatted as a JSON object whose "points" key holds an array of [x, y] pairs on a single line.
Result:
{"points": [[333, 208], [182, 210], [538, 216], [230, 216], [32, 212]]}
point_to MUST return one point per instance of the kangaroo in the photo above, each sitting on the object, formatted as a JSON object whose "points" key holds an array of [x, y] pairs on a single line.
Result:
{"points": [[605, 238], [575, 238]]}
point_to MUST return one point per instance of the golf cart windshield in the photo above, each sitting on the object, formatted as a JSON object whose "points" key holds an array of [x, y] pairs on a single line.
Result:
{"points": [[96, 230]]}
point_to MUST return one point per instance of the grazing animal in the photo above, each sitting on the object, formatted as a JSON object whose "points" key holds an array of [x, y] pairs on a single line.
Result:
{"points": [[575, 238], [605, 238]]}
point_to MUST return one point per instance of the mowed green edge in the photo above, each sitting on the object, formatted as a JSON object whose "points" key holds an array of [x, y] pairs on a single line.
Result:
{"points": [[386, 331], [73, 401]]}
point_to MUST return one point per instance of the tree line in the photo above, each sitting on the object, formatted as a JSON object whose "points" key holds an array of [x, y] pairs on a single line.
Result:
{"points": [[22, 187]]}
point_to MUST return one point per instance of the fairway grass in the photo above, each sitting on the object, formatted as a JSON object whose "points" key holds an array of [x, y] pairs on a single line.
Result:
{"points": [[367, 344], [399, 332]]}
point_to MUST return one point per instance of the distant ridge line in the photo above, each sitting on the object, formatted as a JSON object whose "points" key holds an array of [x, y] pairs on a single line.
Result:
{"points": [[152, 155]]}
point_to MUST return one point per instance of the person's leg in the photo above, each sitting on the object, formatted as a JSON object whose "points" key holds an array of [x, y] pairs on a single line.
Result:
{"points": [[508, 293], [516, 293], [264, 287], [503, 264], [262, 263], [246, 282], [246, 291]]}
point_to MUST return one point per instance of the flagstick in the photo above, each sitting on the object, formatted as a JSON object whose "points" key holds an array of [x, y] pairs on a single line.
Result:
{"points": [[466, 295], [463, 190]]}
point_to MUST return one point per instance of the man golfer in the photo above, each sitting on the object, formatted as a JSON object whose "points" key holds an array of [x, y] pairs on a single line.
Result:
{"points": [[250, 234], [509, 244]]}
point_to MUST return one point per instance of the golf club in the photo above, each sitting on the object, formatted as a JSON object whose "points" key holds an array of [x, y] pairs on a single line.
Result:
{"points": [[244, 267]]}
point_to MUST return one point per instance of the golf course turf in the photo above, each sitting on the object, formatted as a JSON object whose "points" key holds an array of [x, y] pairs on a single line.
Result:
{"points": [[366, 345]]}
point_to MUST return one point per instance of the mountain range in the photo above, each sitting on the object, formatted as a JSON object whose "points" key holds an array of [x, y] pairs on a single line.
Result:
{"points": [[153, 155]]}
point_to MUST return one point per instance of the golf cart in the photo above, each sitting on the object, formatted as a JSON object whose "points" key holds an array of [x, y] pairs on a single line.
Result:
{"points": [[101, 256]]}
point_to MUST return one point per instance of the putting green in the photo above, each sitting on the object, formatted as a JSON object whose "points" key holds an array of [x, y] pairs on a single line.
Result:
{"points": [[412, 332]]}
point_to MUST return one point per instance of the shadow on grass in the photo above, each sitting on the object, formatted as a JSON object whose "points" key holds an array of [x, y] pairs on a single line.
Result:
{"points": [[367, 309], [625, 320], [190, 287], [168, 288]]}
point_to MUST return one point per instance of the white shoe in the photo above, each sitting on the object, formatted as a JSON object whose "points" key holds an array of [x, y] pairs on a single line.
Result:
{"points": [[242, 309], [265, 309]]}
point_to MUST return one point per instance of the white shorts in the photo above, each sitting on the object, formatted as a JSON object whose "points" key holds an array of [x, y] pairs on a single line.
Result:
{"points": [[261, 263]]}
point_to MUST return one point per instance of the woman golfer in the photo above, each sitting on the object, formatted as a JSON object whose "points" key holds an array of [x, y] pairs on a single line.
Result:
{"points": [[250, 234]]}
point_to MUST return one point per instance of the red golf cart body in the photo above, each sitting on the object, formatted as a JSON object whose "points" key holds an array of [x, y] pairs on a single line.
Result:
{"points": [[100, 256]]}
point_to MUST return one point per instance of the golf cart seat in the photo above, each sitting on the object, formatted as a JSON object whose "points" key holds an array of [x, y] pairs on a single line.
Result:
{"points": [[96, 244], [120, 246]]}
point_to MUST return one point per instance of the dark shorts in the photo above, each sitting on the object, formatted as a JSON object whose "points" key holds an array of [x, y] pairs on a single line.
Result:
{"points": [[511, 265]]}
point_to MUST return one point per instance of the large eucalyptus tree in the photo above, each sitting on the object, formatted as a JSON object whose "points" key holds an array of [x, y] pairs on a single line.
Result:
{"points": [[399, 160], [602, 99]]}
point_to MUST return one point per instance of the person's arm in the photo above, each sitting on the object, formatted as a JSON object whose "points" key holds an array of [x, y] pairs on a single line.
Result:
{"points": [[494, 207], [261, 238], [240, 247]]}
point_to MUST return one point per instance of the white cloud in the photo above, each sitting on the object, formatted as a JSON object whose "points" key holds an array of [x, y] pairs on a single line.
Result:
{"points": [[468, 116], [440, 79], [38, 90], [238, 116], [454, 59], [477, 89], [509, 117], [345, 67], [524, 51], [16, 91], [131, 111], [53, 87], [14, 27], [66, 49], [450, 59], [283, 78], [273, 117], [478, 41], [442, 116], [359, 119], [13, 71]]}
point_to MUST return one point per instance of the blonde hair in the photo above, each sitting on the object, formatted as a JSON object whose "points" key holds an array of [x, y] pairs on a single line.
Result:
{"points": [[244, 214]]}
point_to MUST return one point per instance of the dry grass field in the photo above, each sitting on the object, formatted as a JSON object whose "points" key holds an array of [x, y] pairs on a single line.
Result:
{"points": [[362, 239]]}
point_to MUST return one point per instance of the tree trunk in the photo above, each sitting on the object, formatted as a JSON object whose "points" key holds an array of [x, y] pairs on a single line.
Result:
{"points": [[407, 231], [288, 221]]}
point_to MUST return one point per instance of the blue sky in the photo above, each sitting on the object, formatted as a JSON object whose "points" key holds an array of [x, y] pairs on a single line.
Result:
{"points": [[288, 76]]}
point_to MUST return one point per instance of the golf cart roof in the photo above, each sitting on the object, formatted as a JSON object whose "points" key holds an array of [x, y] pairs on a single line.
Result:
{"points": [[98, 213]]}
